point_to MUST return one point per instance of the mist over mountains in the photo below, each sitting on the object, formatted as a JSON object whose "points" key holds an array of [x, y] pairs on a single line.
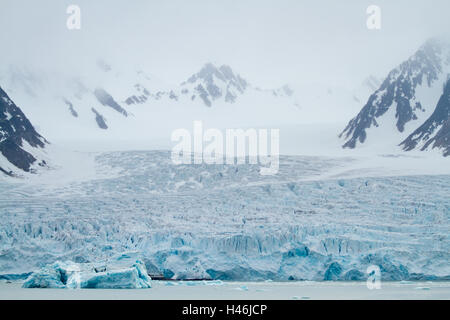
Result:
{"points": [[407, 110]]}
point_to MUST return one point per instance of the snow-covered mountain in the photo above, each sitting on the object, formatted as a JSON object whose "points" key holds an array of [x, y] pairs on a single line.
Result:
{"points": [[212, 83], [405, 99], [20, 144], [435, 132], [104, 101]]}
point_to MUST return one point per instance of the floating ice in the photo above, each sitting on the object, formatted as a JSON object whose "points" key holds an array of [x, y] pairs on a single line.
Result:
{"points": [[242, 288], [123, 272], [423, 288]]}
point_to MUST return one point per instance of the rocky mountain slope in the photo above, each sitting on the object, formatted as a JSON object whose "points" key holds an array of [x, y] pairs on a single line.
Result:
{"points": [[435, 132], [213, 83], [404, 100], [19, 141]]}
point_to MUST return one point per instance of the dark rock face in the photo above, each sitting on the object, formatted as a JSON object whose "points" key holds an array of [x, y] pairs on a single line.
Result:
{"points": [[442, 139], [140, 98], [107, 100], [73, 112], [136, 100], [15, 128], [16, 155], [203, 94], [398, 91], [212, 83], [435, 132], [101, 121]]}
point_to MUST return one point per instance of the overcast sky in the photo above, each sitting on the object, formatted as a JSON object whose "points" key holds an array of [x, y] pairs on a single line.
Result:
{"points": [[268, 42]]}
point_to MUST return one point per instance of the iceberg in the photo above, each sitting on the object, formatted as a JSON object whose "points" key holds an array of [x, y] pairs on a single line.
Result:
{"points": [[123, 272]]}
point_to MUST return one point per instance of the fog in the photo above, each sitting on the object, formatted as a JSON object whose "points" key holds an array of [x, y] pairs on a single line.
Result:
{"points": [[268, 42]]}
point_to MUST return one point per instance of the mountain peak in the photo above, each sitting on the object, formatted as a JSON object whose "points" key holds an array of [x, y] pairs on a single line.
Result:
{"points": [[209, 71], [213, 83]]}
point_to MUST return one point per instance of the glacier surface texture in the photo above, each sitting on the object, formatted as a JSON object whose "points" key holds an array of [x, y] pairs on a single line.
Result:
{"points": [[224, 223]]}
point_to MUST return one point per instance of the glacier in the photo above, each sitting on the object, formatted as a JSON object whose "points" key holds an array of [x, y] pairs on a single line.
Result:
{"points": [[223, 222]]}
